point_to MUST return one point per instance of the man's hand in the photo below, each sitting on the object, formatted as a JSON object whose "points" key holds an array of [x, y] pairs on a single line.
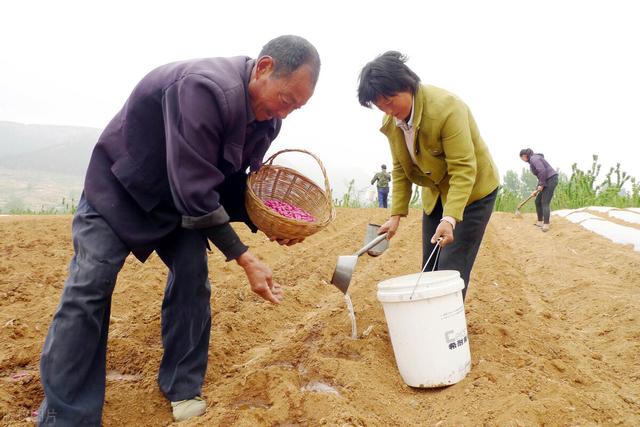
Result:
{"points": [[390, 227], [260, 278], [286, 242], [444, 230]]}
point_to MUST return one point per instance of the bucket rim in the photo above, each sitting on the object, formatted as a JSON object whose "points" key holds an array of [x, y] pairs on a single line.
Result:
{"points": [[432, 284]]}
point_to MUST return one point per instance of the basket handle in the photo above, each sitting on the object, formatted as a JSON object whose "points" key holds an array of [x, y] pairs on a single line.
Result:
{"points": [[270, 160]]}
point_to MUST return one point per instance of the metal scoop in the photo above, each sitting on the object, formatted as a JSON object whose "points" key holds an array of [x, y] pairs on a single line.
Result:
{"points": [[346, 265], [372, 233]]}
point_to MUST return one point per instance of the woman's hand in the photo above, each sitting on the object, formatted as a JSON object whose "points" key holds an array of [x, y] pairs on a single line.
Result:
{"points": [[390, 227], [444, 231]]}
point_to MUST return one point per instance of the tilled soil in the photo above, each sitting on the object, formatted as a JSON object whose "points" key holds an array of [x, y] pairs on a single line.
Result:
{"points": [[553, 321]]}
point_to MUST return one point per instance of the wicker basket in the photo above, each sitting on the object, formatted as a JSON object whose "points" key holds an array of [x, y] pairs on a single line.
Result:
{"points": [[287, 185]]}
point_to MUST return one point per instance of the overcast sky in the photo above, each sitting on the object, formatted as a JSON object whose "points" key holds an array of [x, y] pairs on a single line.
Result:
{"points": [[561, 77]]}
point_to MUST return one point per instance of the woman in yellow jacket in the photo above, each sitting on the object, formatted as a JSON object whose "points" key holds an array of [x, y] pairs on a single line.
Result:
{"points": [[435, 143]]}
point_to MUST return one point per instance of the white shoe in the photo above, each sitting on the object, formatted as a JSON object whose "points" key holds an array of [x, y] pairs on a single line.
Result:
{"points": [[188, 408]]}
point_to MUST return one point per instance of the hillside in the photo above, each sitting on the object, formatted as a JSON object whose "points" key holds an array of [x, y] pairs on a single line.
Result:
{"points": [[42, 164], [552, 320], [18, 140]]}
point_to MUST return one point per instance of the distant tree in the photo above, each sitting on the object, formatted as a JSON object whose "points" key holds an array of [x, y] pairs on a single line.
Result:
{"points": [[14, 204], [512, 182], [529, 182], [519, 186]]}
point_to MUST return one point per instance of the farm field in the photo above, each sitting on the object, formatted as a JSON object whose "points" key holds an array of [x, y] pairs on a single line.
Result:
{"points": [[553, 321]]}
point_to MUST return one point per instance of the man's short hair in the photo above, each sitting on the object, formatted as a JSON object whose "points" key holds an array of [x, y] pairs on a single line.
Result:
{"points": [[289, 53], [386, 76], [383, 166]]}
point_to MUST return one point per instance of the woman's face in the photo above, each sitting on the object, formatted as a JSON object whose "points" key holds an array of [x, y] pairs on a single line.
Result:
{"points": [[398, 105], [524, 158]]}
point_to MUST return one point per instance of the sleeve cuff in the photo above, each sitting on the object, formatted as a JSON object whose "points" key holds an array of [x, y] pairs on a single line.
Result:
{"points": [[225, 238], [212, 219], [451, 220], [399, 211], [456, 215]]}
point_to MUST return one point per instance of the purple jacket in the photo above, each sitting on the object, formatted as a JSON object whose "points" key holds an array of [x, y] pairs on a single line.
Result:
{"points": [[541, 168], [185, 128]]}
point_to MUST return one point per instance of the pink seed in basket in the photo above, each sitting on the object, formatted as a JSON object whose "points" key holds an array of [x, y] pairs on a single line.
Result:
{"points": [[289, 211]]}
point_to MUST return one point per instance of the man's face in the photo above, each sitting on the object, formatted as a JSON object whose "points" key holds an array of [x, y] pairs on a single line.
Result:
{"points": [[398, 105], [276, 97]]}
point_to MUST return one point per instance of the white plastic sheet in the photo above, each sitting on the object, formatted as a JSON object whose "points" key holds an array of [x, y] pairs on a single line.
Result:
{"points": [[612, 231], [625, 215], [603, 209], [578, 216], [563, 212]]}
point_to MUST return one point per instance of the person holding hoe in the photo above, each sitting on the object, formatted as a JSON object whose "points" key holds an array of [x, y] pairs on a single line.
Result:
{"points": [[547, 182]]}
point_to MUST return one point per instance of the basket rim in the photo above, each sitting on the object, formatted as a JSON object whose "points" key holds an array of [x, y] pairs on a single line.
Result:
{"points": [[327, 186], [252, 194]]}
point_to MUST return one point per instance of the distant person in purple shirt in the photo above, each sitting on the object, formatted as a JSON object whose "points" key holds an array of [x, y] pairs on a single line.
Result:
{"points": [[168, 174], [547, 182]]}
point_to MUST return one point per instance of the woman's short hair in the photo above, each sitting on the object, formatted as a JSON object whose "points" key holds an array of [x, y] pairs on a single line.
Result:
{"points": [[526, 151], [386, 76]]}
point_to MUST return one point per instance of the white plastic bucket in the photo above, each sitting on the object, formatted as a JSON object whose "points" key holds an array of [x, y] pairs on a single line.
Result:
{"points": [[429, 330]]}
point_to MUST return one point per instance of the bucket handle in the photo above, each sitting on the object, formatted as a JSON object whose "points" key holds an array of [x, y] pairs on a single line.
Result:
{"points": [[436, 249]]}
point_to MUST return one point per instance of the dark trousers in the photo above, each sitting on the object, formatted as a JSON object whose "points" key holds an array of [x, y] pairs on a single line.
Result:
{"points": [[73, 362], [461, 254], [383, 194], [543, 199]]}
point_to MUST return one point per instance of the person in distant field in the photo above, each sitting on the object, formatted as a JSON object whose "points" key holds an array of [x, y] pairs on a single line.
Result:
{"points": [[383, 177], [547, 182], [436, 144], [168, 174]]}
